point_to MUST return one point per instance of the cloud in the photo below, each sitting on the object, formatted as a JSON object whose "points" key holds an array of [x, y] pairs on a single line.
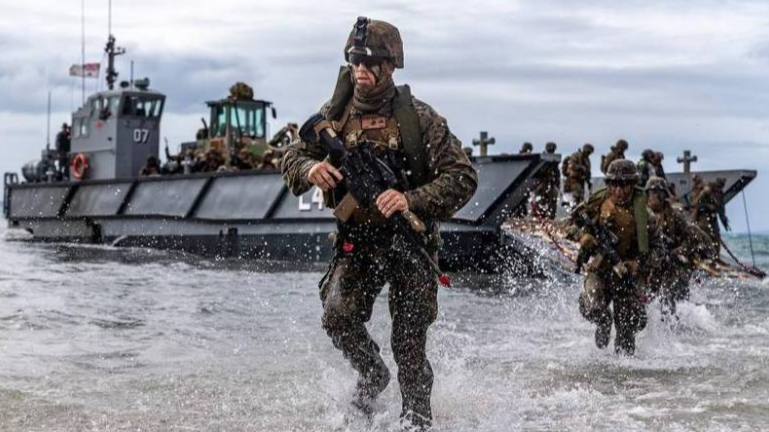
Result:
{"points": [[670, 74]]}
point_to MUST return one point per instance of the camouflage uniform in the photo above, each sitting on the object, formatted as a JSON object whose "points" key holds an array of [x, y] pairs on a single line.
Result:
{"points": [[578, 173], [617, 152], [443, 180], [549, 183], [681, 241], [697, 186], [603, 286], [708, 209], [284, 136]]}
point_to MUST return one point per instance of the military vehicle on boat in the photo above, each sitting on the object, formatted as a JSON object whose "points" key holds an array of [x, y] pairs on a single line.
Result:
{"points": [[246, 213]]}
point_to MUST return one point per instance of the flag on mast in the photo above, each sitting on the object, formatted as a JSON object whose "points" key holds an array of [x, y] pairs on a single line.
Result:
{"points": [[88, 70]]}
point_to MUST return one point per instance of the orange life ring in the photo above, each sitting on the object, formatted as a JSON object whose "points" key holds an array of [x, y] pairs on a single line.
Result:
{"points": [[79, 166]]}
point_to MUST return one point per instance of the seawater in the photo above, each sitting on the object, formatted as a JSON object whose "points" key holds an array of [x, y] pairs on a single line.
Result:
{"points": [[96, 338]]}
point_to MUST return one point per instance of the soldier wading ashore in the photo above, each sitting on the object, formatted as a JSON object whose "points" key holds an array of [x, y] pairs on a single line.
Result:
{"points": [[372, 118]]}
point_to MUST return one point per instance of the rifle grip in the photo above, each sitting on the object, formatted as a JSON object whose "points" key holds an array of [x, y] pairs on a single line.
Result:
{"points": [[416, 223], [344, 210]]}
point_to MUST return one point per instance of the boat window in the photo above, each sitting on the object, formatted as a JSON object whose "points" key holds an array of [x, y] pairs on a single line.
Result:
{"points": [[218, 121], [257, 122], [76, 128], [80, 127], [114, 104], [142, 106], [250, 120]]}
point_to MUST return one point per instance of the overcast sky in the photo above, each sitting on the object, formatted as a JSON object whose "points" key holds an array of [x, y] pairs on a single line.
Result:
{"points": [[668, 75]]}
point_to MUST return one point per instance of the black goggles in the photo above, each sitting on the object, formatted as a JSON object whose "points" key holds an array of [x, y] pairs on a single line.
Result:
{"points": [[620, 183], [368, 61]]}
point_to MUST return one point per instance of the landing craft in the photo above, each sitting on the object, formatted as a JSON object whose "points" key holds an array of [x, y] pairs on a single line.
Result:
{"points": [[245, 213]]}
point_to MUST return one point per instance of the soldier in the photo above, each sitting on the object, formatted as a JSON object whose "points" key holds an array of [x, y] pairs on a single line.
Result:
{"points": [[523, 210], [646, 167], [617, 152], [577, 170], [368, 106], [697, 186], [151, 168], [284, 136], [546, 192], [659, 171], [682, 243], [63, 147], [708, 209], [615, 237]]}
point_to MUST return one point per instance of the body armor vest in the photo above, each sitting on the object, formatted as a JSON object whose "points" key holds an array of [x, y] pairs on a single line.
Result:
{"points": [[405, 119], [639, 211]]}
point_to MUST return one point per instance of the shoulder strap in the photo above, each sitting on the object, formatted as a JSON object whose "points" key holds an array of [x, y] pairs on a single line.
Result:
{"points": [[342, 94], [408, 121]]}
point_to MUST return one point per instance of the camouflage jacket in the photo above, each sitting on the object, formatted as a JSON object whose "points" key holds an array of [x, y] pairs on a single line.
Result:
{"points": [[579, 167], [680, 236], [451, 181], [610, 157]]}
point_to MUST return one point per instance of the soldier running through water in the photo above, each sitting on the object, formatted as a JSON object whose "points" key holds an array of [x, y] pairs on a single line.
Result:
{"points": [[614, 245], [682, 244], [368, 107], [708, 209]]}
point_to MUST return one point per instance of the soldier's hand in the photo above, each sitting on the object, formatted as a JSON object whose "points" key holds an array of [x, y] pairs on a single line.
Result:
{"points": [[324, 176], [391, 201]]}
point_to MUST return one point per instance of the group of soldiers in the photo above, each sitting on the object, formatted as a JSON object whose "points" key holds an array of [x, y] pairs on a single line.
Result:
{"points": [[638, 240], [634, 245], [210, 158]]}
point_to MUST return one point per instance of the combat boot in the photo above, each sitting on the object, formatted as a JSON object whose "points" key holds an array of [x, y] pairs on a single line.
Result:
{"points": [[369, 386], [603, 331], [624, 342]]}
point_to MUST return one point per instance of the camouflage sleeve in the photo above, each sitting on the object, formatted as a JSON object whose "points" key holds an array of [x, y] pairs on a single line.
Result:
{"points": [[452, 180], [297, 161]]}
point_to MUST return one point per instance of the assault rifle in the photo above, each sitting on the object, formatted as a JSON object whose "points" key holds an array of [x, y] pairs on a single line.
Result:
{"points": [[366, 176], [606, 249]]}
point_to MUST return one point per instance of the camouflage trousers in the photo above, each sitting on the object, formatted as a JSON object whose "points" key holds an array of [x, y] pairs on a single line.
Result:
{"points": [[576, 188], [629, 311], [348, 292], [547, 202]]}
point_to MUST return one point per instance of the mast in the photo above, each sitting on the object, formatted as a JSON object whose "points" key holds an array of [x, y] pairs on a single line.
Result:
{"points": [[112, 51]]}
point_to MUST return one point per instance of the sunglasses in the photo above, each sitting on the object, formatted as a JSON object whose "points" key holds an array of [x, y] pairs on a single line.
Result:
{"points": [[619, 185], [368, 61]]}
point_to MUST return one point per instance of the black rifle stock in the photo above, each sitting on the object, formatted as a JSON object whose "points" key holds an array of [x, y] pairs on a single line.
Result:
{"points": [[606, 249]]}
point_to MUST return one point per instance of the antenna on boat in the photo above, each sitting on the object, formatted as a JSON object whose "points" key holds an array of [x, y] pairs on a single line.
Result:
{"points": [[48, 129], [82, 48], [111, 50]]}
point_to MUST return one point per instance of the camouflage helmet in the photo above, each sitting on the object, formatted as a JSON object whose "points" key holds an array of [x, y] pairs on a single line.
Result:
{"points": [[527, 147], [622, 170], [588, 148], [550, 147], [657, 184], [621, 145], [373, 38]]}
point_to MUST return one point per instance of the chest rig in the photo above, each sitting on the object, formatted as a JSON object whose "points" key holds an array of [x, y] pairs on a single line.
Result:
{"points": [[381, 130], [401, 129]]}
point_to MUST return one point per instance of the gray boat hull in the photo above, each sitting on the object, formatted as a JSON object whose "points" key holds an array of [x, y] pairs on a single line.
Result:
{"points": [[253, 215]]}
